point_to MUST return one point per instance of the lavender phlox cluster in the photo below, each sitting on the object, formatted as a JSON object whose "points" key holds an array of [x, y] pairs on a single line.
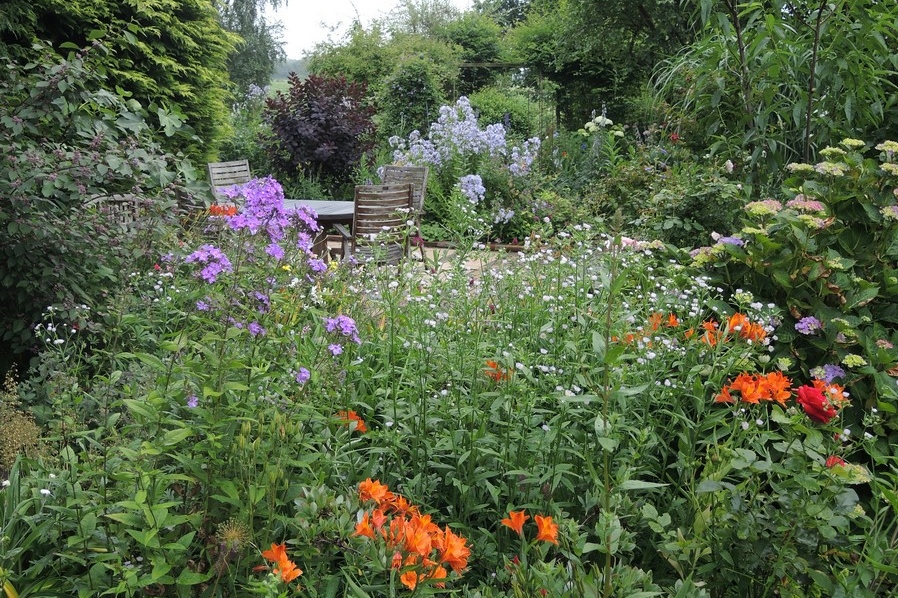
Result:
{"points": [[503, 216], [307, 217], [263, 209], [828, 372], [214, 262], [471, 186], [455, 132], [808, 325], [343, 325], [263, 302], [522, 157]]}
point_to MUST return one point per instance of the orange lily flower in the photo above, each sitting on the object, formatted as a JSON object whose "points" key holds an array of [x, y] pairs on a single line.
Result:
{"points": [[547, 531], [779, 386], [363, 527], [515, 521], [495, 371], [452, 549], [374, 490], [352, 416], [275, 553], [672, 321]]}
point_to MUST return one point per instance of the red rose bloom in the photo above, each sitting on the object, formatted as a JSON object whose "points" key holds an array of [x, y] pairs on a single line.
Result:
{"points": [[833, 460], [815, 405]]}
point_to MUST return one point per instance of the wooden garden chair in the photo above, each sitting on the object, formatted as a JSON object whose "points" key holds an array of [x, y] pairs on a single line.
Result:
{"points": [[417, 176], [379, 224], [227, 174]]}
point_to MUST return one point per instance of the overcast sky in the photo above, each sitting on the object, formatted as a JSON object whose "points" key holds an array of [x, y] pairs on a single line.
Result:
{"points": [[308, 22]]}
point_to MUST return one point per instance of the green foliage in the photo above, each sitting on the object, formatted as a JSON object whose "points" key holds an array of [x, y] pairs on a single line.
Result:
{"points": [[321, 128], [595, 55], [797, 76], [410, 97], [167, 54], [513, 107], [829, 255], [248, 129], [480, 40], [649, 179], [65, 139]]}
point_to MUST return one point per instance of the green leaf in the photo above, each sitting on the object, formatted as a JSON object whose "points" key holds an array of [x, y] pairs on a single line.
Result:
{"points": [[173, 437], [706, 486], [191, 578], [640, 485]]}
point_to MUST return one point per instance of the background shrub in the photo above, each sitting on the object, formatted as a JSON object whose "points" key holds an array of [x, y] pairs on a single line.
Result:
{"points": [[321, 129], [64, 138]]}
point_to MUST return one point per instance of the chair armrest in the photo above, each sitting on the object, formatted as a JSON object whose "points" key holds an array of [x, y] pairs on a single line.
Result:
{"points": [[344, 232]]}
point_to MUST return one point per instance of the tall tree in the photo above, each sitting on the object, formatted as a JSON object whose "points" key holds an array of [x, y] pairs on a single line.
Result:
{"points": [[261, 49], [170, 53]]}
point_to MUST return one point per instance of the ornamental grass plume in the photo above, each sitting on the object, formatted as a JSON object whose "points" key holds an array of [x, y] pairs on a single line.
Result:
{"points": [[419, 547]]}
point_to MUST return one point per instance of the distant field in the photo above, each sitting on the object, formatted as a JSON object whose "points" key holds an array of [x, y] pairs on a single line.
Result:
{"points": [[278, 85]]}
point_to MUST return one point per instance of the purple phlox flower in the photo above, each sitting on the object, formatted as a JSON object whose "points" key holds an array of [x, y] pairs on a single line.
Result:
{"points": [[263, 303], [193, 401], [317, 265], [303, 375], [343, 325], [335, 349], [275, 251], [202, 305], [305, 242], [828, 372], [255, 329], [263, 209], [808, 325], [214, 262], [306, 216]]}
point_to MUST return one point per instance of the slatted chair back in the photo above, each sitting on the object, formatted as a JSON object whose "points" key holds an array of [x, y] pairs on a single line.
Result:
{"points": [[125, 210], [416, 175], [379, 223], [227, 174]]}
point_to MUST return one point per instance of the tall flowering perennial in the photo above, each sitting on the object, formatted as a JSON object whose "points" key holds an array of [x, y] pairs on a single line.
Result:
{"points": [[263, 210], [421, 550]]}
